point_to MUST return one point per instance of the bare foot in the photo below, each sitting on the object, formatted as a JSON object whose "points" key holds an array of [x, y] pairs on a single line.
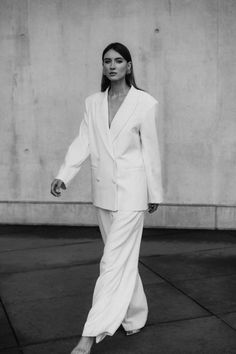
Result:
{"points": [[84, 346]]}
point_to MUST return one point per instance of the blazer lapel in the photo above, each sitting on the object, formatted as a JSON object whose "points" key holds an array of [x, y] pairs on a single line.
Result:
{"points": [[124, 113], [103, 123], [121, 118]]}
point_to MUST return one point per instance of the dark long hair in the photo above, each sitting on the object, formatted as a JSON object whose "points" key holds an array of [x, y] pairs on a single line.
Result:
{"points": [[125, 53]]}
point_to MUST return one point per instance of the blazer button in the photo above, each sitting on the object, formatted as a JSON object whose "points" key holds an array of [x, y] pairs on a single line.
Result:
{"points": [[113, 181], [97, 179]]}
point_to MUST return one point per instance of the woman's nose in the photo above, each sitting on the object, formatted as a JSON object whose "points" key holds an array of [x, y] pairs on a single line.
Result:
{"points": [[112, 66]]}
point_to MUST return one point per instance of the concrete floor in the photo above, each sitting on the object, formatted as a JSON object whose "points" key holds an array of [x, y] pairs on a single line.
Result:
{"points": [[48, 275]]}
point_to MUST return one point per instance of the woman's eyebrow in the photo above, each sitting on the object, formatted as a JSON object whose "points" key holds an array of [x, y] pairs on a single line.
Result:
{"points": [[114, 58]]}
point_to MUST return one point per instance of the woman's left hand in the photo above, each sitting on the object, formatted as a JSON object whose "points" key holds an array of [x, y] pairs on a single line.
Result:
{"points": [[152, 207]]}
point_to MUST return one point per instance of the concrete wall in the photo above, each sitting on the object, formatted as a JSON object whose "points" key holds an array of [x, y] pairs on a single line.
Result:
{"points": [[184, 54]]}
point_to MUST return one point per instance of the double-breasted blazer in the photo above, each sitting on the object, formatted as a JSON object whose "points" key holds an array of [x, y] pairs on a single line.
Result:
{"points": [[125, 158]]}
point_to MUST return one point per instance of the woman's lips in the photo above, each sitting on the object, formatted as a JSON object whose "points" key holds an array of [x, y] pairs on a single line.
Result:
{"points": [[112, 73]]}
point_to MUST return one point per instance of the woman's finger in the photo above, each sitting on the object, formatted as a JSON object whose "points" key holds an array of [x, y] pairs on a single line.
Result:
{"points": [[152, 207], [55, 189]]}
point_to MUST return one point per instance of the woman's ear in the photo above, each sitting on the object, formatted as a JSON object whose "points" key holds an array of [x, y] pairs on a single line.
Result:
{"points": [[129, 67]]}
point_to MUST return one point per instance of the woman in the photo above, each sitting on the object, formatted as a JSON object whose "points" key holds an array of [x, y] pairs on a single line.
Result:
{"points": [[118, 132]]}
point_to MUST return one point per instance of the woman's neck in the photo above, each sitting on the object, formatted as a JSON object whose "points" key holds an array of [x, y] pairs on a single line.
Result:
{"points": [[118, 89]]}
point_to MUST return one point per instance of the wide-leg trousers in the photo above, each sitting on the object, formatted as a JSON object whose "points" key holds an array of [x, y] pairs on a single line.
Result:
{"points": [[118, 296]]}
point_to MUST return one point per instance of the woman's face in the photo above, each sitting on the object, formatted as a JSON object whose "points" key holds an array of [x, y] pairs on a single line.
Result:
{"points": [[115, 67]]}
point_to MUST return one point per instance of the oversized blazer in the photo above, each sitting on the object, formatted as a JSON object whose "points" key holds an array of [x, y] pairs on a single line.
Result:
{"points": [[125, 158]]}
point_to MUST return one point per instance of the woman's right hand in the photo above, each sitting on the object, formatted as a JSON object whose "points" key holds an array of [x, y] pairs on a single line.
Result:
{"points": [[56, 186]]}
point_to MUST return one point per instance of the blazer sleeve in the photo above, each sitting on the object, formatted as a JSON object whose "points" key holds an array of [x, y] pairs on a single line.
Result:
{"points": [[151, 154], [77, 153]]}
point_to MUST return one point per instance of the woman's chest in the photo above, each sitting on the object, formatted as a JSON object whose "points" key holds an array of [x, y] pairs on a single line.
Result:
{"points": [[113, 108]]}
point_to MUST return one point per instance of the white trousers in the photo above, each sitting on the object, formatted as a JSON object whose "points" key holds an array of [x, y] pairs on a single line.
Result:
{"points": [[118, 296]]}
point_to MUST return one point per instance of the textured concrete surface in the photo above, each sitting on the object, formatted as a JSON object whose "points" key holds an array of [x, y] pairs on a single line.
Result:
{"points": [[7, 338], [79, 214], [184, 54], [48, 275], [226, 218], [194, 265], [220, 287]]}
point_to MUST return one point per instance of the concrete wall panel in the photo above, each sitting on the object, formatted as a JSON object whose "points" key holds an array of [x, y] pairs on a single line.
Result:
{"points": [[173, 216], [225, 126], [184, 54]]}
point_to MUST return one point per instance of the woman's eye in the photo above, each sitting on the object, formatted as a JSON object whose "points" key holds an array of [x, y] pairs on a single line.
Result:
{"points": [[118, 61]]}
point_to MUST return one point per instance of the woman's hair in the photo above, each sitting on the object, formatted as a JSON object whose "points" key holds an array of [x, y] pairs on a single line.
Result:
{"points": [[124, 52]]}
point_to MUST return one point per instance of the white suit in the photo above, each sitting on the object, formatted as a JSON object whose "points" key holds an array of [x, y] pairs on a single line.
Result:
{"points": [[126, 176]]}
